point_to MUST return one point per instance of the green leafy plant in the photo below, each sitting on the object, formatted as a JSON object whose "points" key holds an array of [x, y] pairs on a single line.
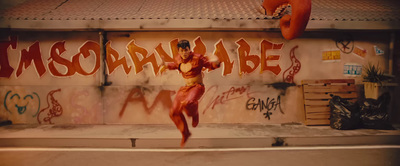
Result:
{"points": [[373, 73]]}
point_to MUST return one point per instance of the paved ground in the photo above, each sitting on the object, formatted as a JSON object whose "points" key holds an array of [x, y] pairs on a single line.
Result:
{"points": [[204, 136], [211, 144], [272, 156]]}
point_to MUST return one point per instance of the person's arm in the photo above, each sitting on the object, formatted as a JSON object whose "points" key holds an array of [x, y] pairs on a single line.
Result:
{"points": [[169, 66], [172, 66], [210, 64]]}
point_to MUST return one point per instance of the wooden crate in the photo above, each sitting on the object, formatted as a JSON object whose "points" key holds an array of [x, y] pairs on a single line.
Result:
{"points": [[317, 93]]}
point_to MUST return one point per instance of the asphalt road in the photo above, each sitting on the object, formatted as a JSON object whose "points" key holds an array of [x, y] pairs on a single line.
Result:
{"points": [[280, 156]]}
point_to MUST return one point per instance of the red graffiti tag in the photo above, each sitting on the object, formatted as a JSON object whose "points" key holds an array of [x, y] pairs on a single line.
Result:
{"points": [[229, 95], [73, 66], [55, 109], [5, 68], [288, 75], [137, 95], [27, 56]]}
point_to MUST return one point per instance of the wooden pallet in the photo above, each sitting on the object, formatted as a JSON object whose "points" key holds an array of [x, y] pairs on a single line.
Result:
{"points": [[317, 93]]}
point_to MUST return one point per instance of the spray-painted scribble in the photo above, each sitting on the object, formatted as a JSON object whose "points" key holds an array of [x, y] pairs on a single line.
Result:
{"points": [[20, 104], [53, 106], [271, 104], [288, 75], [229, 95], [345, 43], [137, 95]]}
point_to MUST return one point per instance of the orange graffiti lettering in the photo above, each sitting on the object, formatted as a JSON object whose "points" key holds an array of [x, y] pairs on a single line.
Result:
{"points": [[55, 56], [163, 55], [113, 61], [223, 57], [134, 50], [244, 57], [199, 47], [266, 45], [174, 49], [85, 52], [62, 66]]}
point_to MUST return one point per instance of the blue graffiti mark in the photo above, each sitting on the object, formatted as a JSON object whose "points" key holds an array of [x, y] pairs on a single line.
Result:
{"points": [[15, 95], [21, 109], [37, 112], [28, 96], [5, 103]]}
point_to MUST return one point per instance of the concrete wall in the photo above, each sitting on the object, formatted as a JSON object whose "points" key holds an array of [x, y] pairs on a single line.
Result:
{"points": [[64, 82]]}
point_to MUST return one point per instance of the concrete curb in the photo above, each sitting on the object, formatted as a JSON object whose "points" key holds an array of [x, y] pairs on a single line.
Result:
{"points": [[208, 136]]}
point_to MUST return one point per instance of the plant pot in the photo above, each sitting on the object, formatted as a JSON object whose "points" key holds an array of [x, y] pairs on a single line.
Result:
{"points": [[373, 90]]}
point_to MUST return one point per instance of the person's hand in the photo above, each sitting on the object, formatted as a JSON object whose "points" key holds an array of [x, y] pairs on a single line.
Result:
{"points": [[218, 63], [162, 69]]}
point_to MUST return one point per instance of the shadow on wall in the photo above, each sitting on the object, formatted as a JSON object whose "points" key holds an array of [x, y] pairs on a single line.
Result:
{"points": [[5, 4], [395, 118]]}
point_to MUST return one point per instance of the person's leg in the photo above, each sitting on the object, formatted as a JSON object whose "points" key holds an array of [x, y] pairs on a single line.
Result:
{"points": [[178, 118], [192, 107], [191, 104]]}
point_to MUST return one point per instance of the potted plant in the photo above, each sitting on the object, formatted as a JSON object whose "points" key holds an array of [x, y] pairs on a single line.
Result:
{"points": [[375, 81]]}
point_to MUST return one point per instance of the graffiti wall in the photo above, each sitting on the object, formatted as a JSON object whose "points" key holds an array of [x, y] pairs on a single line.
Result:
{"points": [[58, 78]]}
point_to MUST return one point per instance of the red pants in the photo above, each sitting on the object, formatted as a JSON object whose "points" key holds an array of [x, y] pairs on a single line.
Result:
{"points": [[187, 99]]}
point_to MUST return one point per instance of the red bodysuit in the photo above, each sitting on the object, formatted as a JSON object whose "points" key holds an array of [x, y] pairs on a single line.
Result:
{"points": [[188, 96], [197, 61]]}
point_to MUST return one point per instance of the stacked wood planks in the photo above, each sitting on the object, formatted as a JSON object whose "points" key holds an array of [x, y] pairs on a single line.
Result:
{"points": [[317, 93]]}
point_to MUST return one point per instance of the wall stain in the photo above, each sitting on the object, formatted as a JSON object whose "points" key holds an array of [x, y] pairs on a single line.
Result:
{"points": [[65, 127], [282, 86], [291, 124], [279, 141], [133, 140], [20, 127], [5, 123]]}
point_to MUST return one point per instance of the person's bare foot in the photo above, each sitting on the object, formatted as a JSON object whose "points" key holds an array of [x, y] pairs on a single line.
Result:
{"points": [[185, 137], [195, 120]]}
